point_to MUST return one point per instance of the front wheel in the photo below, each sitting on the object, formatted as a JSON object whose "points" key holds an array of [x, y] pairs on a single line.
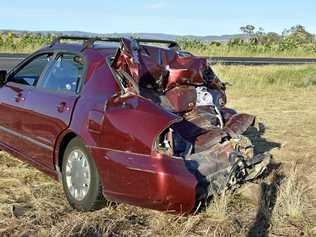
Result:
{"points": [[80, 177]]}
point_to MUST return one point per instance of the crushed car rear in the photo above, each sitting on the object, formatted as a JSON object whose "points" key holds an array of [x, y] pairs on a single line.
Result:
{"points": [[208, 141]]}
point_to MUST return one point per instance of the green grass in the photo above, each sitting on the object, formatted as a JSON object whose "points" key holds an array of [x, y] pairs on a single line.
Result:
{"points": [[28, 44], [245, 51], [289, 76], [27, 49]]}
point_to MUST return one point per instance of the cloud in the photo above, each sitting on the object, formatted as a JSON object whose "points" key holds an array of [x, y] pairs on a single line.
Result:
{"points": [[156, 5]]}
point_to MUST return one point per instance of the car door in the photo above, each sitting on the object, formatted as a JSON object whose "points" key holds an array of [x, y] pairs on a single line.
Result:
{"points": [[13, 96], [49, 106]]}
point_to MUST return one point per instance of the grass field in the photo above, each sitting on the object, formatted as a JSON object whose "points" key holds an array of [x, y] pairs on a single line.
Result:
{"points": [[244, 51], [281, 204], [28, 44], [210, 51]]}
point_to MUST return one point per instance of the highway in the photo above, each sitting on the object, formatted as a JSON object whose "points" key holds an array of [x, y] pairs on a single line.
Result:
{"points": [[7, 61]]}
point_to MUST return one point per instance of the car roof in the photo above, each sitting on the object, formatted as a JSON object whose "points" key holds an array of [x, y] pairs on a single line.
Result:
{"points": [[108, 47], [104, 49]]}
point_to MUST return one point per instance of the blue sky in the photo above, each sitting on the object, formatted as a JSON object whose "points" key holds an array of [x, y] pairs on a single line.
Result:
{"points": [[197, 17]]}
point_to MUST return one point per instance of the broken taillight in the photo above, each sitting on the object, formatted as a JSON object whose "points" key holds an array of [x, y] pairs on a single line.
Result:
{"points": [[164, 143]]}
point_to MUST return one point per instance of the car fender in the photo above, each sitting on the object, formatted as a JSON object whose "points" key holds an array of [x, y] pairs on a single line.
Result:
{"points": [[134, 122]]}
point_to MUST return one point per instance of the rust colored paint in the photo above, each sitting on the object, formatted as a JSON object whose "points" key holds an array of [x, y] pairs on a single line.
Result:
{"points": [[182, 98], [239, 123]]}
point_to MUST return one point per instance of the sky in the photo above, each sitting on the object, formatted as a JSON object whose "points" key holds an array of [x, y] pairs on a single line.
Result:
{"points": [[184, 17]]}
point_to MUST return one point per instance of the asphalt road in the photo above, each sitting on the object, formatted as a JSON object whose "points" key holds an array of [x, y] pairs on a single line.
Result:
{"points": [[7, 61]]}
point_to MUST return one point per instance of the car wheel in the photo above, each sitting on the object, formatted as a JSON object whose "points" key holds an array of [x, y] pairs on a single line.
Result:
{"points": [[80, 177]]}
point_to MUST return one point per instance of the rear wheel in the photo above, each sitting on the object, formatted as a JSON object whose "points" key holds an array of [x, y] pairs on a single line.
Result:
{"points": [[80, 177]]}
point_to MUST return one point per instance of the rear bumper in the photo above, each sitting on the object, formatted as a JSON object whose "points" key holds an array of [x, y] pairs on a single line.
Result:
{"points": [[171, 184], [216, 173], [163, 183]]}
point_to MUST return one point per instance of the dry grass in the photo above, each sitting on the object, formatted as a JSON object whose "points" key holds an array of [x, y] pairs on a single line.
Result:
{"points": [[260, 77], [31, 204], [227, 51], [218, 209], [291, 201]]}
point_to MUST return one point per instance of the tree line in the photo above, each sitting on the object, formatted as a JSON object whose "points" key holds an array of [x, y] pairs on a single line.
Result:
{"points": [[257, 41], [296, 41]]}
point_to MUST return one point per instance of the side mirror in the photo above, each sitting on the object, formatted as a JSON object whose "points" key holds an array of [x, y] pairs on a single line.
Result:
{"points": [[3, 77]]}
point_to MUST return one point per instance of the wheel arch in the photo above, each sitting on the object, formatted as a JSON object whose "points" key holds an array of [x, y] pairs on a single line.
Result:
{"points": [[60, 148]]}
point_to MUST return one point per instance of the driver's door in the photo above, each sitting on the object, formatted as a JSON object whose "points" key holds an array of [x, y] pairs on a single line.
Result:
{"points": [[13, 95]]}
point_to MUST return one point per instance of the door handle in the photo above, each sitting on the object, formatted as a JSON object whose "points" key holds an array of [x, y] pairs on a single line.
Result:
{"points": [[19, 97], [62, 107]]}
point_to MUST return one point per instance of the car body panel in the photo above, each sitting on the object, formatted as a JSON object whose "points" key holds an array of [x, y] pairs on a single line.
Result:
{"points": [[135, 122], [159, 183], [45, 115], [11, 112]]}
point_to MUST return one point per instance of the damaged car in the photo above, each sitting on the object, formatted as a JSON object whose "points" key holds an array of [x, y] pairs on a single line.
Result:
{"points": [[137, 121]]}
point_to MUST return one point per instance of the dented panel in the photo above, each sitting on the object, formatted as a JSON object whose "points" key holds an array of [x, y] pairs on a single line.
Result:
{"points": [[239, 123], [209, 136]]}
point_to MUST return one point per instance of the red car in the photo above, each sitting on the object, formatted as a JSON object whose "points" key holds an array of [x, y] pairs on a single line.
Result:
{"points": [[126, 120]]}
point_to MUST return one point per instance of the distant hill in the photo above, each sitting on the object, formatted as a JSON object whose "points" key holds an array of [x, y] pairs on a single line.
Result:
{"points": [[210, 38]]}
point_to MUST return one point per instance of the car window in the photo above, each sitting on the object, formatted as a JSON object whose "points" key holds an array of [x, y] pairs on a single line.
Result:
{"points": [[64, 74], [29, 73]]}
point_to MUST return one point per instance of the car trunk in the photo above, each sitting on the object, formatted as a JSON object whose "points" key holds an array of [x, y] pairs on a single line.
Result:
{"points": [[209, 137]]}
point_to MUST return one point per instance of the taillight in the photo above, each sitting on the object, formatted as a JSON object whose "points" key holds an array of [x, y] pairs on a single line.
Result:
{"points": [[164, 143]]}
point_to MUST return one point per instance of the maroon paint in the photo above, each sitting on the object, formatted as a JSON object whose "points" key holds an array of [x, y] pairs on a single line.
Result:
{"points": [[45, 115], [177, 68], [182, 98], [159, 183], [239, 123], [11, 113]]}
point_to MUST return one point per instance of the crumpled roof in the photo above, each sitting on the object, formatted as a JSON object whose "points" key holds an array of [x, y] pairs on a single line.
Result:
{"points": [[157, 67]]}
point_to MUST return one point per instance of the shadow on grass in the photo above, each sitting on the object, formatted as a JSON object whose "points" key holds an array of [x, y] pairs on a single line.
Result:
{"points": [[260, 143], [268, 197]]}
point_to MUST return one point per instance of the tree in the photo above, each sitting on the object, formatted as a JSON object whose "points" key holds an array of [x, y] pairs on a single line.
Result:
{"points": [[270, 38], [248, 29], [298, 35]]}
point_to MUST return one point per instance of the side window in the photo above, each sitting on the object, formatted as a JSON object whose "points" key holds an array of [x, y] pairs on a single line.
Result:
{"points": [[64, 74], [31, 72]]}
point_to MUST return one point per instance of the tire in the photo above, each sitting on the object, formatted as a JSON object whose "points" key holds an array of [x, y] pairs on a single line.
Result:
{"points": [[83, 189]]}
